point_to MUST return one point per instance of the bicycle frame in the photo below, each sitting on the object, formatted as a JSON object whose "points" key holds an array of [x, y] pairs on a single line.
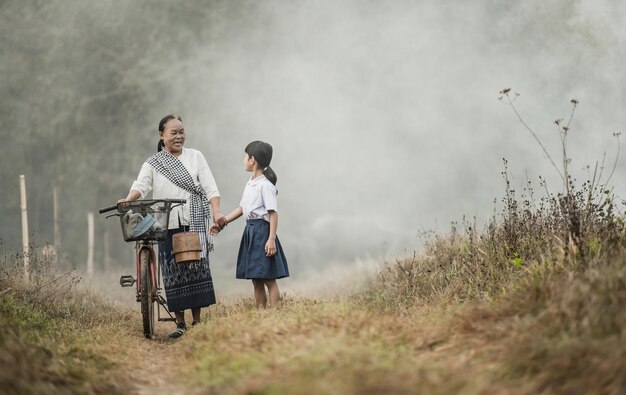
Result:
{"points": [[156, 278]]}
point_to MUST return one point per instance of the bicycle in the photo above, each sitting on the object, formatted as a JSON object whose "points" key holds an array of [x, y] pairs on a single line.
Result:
{"points": [[146, 222]]}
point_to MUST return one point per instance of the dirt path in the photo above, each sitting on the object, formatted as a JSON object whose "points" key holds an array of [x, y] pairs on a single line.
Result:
{"points": [[354, 351], [153, 364]]}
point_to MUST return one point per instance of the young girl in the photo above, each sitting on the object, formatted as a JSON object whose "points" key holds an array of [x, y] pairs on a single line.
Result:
{"points": [[261, 258]]}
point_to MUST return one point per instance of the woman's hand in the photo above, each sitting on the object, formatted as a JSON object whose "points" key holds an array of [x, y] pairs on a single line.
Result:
{"points": [[132, 195], [214, 230], [270, 247]]}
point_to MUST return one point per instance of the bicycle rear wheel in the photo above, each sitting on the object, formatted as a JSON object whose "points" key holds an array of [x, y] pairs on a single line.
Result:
{"points": [[147, 294]]}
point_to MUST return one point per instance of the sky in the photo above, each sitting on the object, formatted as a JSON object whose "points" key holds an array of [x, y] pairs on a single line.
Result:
{"points": [[385, 118]]}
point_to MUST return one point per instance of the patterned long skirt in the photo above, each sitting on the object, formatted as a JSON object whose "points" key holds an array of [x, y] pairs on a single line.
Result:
{"points": [[187, 285]]}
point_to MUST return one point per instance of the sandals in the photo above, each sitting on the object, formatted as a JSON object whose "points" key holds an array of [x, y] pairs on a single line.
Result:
{"points": [[180, 330], [181, 327]]}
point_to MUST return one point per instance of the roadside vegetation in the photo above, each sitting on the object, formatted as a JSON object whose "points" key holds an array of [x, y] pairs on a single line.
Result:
{"points": [[56, 338], [525, 307]]}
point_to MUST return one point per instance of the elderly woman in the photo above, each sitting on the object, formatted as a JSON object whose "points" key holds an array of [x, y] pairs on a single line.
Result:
{"points": [[175, 172]]}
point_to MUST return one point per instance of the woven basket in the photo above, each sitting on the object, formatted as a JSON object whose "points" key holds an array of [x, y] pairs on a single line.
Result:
{"points": [[186, 247]]}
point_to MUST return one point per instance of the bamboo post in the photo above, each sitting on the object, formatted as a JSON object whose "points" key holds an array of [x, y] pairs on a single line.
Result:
{"points": [[57, 224], [90, 243], [106, 240], [25, 244]]}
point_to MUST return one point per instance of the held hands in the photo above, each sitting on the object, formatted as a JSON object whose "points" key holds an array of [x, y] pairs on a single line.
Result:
{"points": [[219, 223], [270, 247]]}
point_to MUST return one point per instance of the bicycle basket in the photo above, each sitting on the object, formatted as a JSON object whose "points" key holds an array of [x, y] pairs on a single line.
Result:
{"points": [[144, 220]]}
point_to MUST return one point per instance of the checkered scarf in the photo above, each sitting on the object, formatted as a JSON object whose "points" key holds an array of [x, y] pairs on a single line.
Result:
{"points": [[199, 214]]}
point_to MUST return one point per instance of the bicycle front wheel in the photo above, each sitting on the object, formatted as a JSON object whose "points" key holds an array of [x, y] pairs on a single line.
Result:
{"points": [[147, 294]]}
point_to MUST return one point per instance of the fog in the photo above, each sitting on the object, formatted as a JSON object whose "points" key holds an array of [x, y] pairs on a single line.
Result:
{"points": [[384, 115]]}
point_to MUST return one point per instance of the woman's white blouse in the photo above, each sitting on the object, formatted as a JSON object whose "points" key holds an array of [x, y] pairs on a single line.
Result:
{"points": [[151, 180], [258, 197]]}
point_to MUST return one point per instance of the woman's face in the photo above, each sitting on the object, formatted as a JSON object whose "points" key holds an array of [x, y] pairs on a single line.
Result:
{"points": [[173, 136]]}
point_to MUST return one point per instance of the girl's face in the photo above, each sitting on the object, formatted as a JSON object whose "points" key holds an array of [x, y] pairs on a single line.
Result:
{"points": [[173, 136], [249, 163]]}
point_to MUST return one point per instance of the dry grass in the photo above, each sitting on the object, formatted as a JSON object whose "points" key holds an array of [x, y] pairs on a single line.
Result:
{"points": [[333, 347], [552, 331], [550, 335], [546, 283], [54, 338]]}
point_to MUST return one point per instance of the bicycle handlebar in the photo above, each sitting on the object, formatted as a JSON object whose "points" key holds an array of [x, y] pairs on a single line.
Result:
{"points": [[106, 209], [175, 201]]}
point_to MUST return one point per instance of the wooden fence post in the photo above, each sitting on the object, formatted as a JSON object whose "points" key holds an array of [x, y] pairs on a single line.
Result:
{"points": [[57, 224], [25, 244], [90, 243], [106, 245]]}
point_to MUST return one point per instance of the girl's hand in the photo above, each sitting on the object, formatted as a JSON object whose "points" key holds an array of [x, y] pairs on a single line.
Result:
{"points": [[270, 247]]}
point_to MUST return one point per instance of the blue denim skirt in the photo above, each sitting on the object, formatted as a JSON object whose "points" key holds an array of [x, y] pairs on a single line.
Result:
{"points": [[252, 262]]}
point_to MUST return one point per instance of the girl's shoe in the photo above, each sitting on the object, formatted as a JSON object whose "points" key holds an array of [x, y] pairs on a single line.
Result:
{"points": [[180, 330], [195, 323]]}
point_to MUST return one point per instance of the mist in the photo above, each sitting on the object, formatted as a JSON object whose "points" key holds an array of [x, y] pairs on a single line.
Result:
{"points": [[384, 115]]}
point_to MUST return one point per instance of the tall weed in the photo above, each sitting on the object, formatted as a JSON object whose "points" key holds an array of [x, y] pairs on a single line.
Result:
{"points": [[546, 278]]}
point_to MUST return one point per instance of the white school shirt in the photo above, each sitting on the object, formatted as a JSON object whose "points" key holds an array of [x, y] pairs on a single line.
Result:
{"points": [[258, 197], [151, 180]]}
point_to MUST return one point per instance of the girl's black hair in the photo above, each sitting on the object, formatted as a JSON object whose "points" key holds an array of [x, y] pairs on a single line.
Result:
{"points": [[162, 123], [262, 153]]}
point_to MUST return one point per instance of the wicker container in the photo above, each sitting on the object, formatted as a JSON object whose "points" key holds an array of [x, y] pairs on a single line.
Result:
{"points": [[186, 247]]}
